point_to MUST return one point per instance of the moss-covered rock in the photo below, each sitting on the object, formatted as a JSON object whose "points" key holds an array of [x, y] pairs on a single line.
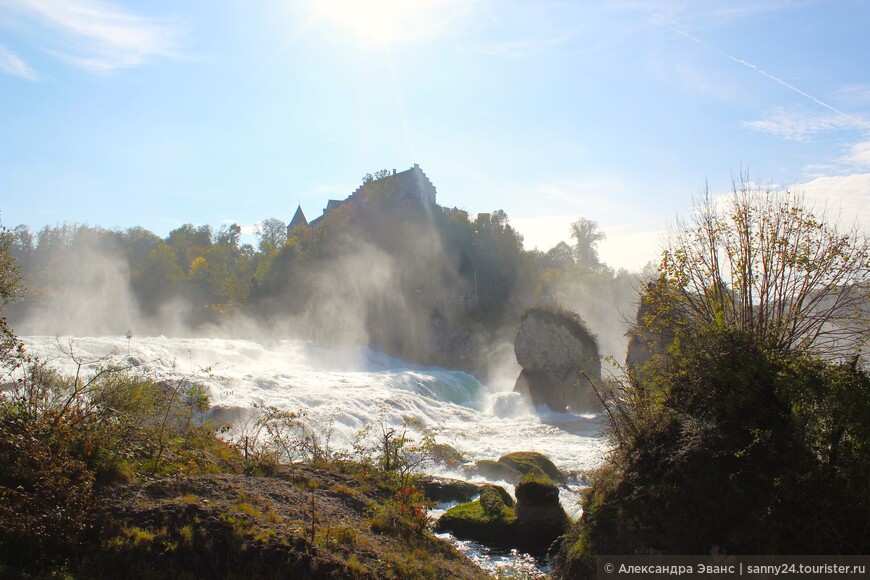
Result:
{"points": [[487, 520], [445, 455], [532, 525], [532, 463]]}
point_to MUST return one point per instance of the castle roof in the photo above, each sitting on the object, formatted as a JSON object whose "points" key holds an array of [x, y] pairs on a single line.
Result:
{"points": [[298, 219]]}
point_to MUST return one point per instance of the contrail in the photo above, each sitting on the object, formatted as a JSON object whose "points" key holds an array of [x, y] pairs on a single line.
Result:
{"points": [[777, 80]]}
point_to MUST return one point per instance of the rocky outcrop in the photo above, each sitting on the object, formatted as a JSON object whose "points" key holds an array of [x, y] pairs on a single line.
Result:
{"points": [[488, 520], [532, 525], [559, 357]]}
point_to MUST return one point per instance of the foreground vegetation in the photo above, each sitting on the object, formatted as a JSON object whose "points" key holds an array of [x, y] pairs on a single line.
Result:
{"points": [[747, 429]]}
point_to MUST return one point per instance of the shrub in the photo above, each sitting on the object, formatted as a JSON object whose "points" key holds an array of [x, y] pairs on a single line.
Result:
{"points": [[46, 500], [759, 442]]}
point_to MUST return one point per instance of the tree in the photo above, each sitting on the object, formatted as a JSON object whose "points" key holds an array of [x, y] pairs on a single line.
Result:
{"points": [[188, 242], [158, 278], [10, 279], [561, 255], [229, 235], [271, 235], [379, 174], [586, 237], [764, 262], [496, 259], [10, 289]]}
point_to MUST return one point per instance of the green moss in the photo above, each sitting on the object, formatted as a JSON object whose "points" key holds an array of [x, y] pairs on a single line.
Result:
{"points": [[488, 520], [478, 512], [532, 463], [567, 318]]}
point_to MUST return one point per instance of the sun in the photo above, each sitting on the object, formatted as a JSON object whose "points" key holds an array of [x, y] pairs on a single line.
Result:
{"points": [[387, 21]]}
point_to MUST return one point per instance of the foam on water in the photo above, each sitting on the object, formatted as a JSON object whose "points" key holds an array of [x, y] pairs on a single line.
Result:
{"points": [[351, 387]]}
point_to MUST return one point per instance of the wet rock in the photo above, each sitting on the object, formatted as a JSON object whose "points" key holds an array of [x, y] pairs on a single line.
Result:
{"points": [[487, 520], [443, 489], [446, 455], [496, 471], [540, 518]]}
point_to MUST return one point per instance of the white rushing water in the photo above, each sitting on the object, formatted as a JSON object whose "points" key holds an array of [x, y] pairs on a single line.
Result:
{"points": [[350, 387]]}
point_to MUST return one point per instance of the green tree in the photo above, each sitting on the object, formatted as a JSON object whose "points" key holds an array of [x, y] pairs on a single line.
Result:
{"points": [[188, 242], [586, 237], [10, 289], [271, 235], [496, 261], [158, 278]]}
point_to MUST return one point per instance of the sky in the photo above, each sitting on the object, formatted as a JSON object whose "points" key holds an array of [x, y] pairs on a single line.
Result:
{"points": [[158, 113]]}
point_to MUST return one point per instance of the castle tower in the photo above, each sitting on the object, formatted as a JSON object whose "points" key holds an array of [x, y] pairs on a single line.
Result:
{"points": [[297, 221]]}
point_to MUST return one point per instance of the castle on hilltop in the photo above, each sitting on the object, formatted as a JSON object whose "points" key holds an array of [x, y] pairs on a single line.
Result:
{"points": [[408, 190]]}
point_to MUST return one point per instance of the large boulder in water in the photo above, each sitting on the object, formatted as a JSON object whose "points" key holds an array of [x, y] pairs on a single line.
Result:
{"points": [[531, 525], [444, 489], [513, 467], [532, 463], [540, 518], [559, 356], [487, 520]]}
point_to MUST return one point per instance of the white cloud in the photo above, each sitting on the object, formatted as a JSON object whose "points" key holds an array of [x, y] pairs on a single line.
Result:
{"points": [[631, 246], [596, 195], [13, 65], [859, 154], [799, 126], [543, 232], [846, 196], [97, 35]]}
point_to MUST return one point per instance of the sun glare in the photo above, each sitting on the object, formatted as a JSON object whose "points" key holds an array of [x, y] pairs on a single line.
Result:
{"points": [[387, 21]]}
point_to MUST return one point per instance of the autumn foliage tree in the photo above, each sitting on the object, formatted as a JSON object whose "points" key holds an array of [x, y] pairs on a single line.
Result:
{"points": [[746, 430], [764, 262]]}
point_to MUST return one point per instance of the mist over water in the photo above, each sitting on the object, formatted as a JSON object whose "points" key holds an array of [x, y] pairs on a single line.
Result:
{"points": [[304, 347]]}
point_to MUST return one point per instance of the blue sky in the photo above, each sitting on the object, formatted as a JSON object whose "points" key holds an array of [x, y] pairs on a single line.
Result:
{"points": [[158, 113]]}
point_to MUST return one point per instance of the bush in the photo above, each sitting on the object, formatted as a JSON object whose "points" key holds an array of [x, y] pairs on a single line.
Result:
{"points": [[59, 436], [727, 446], [405, 513], [46, 500]]}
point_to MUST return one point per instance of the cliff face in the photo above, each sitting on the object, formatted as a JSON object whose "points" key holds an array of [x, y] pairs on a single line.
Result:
{"points": [[558, 356]]}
